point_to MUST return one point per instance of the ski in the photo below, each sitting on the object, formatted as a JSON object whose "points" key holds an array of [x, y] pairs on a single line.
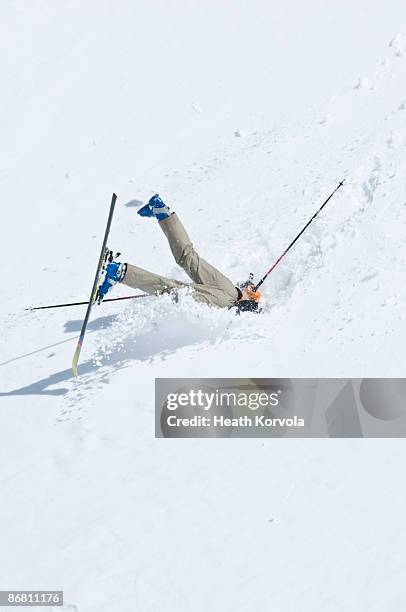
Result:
{"points": [[93, 296]]}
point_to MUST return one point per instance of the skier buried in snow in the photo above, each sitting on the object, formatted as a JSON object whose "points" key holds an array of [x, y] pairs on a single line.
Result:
{"points": [[208, 286]]}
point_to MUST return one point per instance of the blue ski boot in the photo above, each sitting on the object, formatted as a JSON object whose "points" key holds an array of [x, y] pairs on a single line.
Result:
{"points": [[115, 272], [155, 208]]}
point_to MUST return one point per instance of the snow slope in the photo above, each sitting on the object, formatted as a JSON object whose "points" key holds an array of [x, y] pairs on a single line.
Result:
{"points": [[243, 116]]}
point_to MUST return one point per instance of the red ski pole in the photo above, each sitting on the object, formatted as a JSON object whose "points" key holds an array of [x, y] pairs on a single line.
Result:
{"points": [[297, 237]]}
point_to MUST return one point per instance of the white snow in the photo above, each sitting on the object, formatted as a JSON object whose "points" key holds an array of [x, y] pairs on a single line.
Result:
{"points": [[243, 116]]}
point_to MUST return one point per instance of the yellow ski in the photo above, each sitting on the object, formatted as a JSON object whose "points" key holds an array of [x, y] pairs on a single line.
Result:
{"points": [[93, 295]]}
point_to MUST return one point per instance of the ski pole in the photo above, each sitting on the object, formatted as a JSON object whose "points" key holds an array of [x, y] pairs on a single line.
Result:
{"points": [[127, 297], [297, 237]]}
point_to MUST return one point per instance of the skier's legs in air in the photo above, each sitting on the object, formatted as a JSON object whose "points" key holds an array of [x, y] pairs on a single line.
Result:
{"points": [[208, 285]]}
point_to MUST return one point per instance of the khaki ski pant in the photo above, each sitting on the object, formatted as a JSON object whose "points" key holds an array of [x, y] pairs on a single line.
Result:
{"points": [[209, 285]]}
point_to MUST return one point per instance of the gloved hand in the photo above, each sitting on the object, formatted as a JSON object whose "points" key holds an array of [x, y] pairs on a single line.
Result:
{"points": [[252, 294]]}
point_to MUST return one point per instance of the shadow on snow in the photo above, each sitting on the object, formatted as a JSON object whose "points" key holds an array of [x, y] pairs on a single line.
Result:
{"points": [[161, 340]]}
